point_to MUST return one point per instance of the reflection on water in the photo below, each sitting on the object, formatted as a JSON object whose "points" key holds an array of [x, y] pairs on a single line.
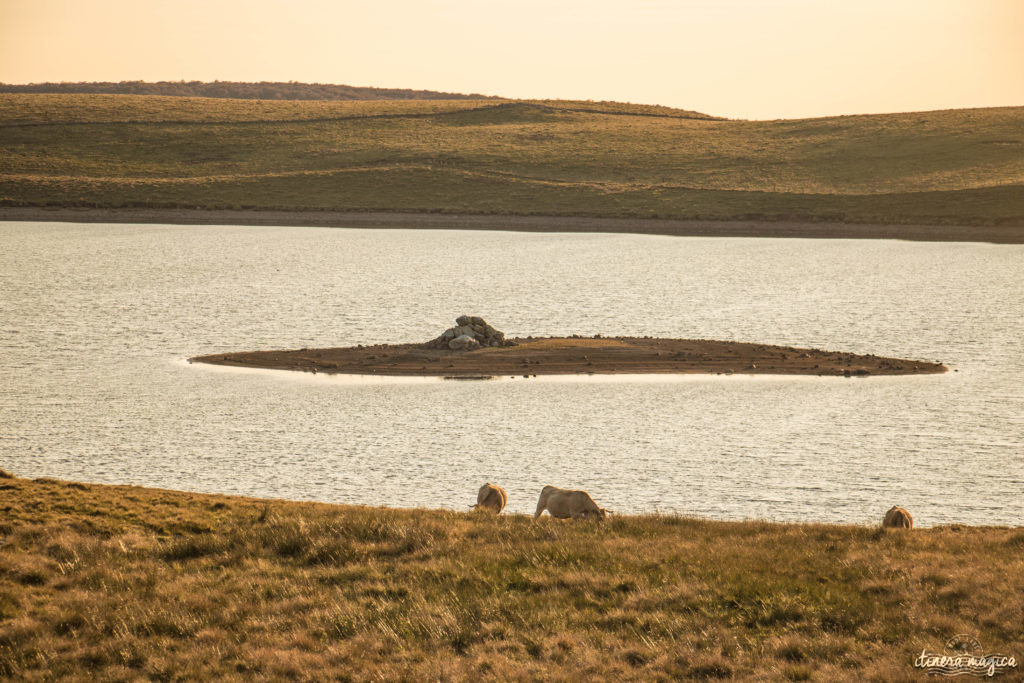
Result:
{"points": [[95, 321]]}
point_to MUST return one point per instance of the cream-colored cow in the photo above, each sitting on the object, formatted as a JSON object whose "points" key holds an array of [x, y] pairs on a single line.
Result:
{"points": [[491, 497], [563, 504], [897, 518]]}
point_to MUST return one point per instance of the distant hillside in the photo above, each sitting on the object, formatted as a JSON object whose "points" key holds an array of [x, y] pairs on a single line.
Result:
{"points": [[263, 90], [502, 157]]}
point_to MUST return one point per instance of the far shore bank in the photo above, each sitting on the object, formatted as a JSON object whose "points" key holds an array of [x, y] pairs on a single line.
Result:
{"points": [[1001, 234]]}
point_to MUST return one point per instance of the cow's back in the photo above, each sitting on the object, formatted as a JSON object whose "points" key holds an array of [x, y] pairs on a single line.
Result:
{"points": [[563, 503], [491, 497], [898, 518]]}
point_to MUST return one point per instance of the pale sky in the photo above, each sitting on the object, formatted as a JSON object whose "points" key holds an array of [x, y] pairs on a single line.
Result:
{"points": [[756, 59]]}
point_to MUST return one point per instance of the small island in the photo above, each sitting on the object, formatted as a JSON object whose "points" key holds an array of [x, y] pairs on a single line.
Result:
{"points": [[475, 350]]}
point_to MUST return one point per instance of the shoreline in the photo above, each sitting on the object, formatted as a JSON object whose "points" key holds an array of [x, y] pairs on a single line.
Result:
{"points": [[12, 480], [532, 357], [998, 234]]}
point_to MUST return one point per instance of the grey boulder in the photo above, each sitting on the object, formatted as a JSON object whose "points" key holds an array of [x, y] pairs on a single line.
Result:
{"points": [[463, 343]]}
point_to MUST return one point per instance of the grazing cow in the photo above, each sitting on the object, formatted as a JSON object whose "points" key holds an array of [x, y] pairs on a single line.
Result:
{"points": [[563, 504], [491, 497], [897, 518]]}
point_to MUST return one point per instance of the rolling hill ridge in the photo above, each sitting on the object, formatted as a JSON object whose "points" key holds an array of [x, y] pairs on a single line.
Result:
{"points": [[509, 157]]}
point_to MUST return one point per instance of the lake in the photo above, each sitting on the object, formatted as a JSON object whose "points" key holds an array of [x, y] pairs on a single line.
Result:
{"points": [[96, 321]]}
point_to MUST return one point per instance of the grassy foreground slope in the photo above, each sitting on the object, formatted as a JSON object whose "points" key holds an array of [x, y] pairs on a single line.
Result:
{"points": [[510, 157], [108, 582]]}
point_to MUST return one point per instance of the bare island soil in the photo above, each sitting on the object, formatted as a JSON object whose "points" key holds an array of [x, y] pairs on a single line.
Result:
{"points": [[575, 356]]}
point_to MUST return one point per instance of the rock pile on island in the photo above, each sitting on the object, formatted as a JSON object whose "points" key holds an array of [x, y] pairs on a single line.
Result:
{"points": [[470, 332]]}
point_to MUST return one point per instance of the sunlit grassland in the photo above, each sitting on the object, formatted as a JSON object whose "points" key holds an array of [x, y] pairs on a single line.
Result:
{"points": [[60, 108], [509, 157], [123, 582], [92, 109]]}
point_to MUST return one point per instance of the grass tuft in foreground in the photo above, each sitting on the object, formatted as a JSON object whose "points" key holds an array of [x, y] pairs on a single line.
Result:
{"points": [[121, 582]]}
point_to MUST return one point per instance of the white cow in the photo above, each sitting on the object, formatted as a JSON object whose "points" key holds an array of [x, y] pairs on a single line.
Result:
{"points": [[897, 518], [491, 497], [563, 504]]}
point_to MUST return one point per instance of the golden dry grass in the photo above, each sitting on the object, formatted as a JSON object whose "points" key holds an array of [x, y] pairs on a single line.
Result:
{"points": [[37, 109], [509, 157], [104, 582]]}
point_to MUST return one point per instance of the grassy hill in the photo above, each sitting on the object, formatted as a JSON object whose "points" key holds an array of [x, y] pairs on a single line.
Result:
{"points": [[125, 583], [556, 158], [264, 90]]}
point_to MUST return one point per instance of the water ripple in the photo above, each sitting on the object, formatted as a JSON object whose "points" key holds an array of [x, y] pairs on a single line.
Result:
{"points": [[95, 320]]}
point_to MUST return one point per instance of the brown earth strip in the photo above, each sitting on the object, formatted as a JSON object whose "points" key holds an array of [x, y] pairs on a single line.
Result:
{"points": [[999, 234], [578, 355]]}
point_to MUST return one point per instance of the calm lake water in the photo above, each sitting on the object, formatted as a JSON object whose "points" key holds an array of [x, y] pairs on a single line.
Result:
{"points": [[96, 321]]}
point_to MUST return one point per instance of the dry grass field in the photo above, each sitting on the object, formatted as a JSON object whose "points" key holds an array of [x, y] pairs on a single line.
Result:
{"points": [[557, 158], [119, 583]]}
